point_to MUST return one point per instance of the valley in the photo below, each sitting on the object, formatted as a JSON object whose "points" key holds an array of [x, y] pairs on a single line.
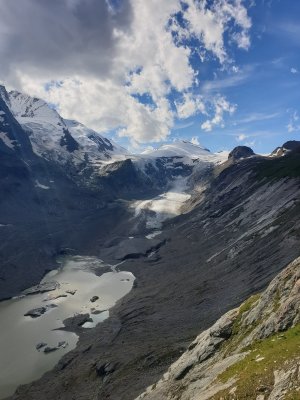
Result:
{"points": [[169, 240]]}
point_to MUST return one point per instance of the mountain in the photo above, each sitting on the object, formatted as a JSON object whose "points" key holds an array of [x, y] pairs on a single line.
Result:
{"points": [[251, 352], [47, 190], [85, 153], [241, 152], [55, 173], [57, 139], [201, 234], [182, 148], [287, 147], [238, 232]]}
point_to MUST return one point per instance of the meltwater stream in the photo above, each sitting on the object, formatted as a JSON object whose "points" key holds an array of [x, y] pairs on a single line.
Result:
{"points": [[20, 361]]}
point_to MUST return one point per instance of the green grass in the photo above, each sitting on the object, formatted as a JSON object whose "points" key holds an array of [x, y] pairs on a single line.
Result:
{"points": [[251, 374], [293, 395], [239, 333], [244, 308]]}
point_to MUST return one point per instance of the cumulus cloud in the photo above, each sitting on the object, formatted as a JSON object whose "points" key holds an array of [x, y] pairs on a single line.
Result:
{"points": [[221, 106], [190, 105], [195, 140], [294, 70], [123, 65]]}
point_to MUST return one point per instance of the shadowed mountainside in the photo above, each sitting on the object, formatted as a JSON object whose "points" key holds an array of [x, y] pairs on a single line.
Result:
{"points": [[244, 229]]}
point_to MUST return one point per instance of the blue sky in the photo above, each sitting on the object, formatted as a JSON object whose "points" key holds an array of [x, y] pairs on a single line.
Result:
{"points": [[219, 72], [266, 88]]}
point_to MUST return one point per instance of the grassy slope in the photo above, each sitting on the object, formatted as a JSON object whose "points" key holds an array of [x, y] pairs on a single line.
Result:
{"points": [[255, 373]]}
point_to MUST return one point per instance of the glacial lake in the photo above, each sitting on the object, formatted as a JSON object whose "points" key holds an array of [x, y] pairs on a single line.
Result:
{"points": [[20, 361]]}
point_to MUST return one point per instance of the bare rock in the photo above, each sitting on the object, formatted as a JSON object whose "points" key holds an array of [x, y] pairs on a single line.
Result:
{"points": [[72, 292], [42, 288], [49, 349], [37, 312], [40, 345]]}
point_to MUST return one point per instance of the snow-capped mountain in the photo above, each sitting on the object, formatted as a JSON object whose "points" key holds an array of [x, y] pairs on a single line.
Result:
{"points": [[87, 153], [14, 141], [184, 149], [94, 145], [56, 139], [178, 159]]}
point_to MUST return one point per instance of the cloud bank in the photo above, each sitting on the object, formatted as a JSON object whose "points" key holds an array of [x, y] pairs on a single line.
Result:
{"points": [[133, 66]]}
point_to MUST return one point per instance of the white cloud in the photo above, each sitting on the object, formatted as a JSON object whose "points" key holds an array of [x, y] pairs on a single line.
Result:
{"points": [[294, 123], [241, 137], [254, 117], [189, 105], [195, 140], [221, 106], [182, 125], [143, 56], [242, 39], [294, 70], [210, 24], [239, 77]]}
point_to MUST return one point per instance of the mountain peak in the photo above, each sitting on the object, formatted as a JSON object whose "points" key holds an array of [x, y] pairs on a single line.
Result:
{"points": [[287, 147], [241, 152], [3, 93]]}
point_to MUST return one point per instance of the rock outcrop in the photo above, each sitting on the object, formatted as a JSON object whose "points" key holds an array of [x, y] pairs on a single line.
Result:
{"points": [[287, 147], [252, 352], [241, 152], [39, 311]]}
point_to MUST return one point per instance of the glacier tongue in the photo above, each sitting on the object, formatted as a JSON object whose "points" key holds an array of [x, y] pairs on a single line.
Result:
{"points": [[164, 206]]}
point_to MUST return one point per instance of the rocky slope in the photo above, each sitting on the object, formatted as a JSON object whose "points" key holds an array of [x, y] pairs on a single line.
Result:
{"points": [[66, 188], [64, 185], [237, 235], [252, 352]]}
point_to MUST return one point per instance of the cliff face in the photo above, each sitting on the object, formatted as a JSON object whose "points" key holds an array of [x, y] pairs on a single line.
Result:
{"points": [[252, 352]]}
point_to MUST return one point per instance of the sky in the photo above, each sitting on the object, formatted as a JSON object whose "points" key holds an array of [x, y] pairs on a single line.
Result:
{"points": [[219, 73]]}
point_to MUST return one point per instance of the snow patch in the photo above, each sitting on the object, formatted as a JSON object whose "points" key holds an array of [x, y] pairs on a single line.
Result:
{"points": [[153, 234], [7, 141], [39, 185]]}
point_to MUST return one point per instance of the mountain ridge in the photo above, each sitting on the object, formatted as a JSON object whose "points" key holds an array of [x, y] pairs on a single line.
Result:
{"points": [[235, 226]]}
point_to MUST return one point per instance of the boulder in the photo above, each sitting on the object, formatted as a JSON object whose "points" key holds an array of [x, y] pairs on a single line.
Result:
{"points": [[40, 345], [42, 288], [49, 349], [105, 368], [72, 292], [37, 312]]}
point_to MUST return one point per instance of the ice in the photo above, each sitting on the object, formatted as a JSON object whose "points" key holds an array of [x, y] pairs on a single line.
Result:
{"points": [[164, 206], [9, 143], [39, 185]]}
